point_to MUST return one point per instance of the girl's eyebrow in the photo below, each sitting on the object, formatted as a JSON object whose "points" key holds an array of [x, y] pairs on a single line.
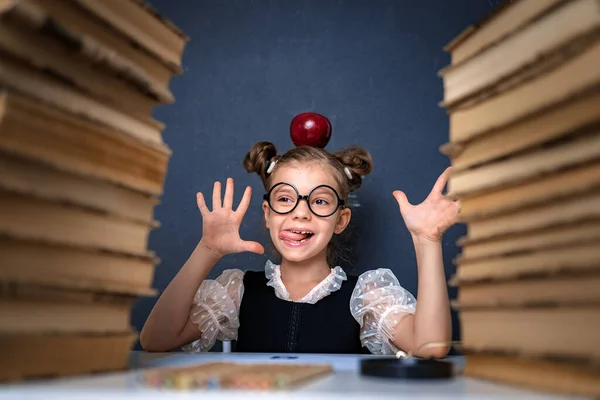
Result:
{"points": [[282, 188], [320, 191]]}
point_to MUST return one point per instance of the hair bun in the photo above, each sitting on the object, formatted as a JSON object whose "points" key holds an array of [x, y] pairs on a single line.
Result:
{"points": [[257, 157], [358, 161]]}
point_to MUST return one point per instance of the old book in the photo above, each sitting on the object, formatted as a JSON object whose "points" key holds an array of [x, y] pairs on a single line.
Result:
{"points": [[550, 375], [574, 76], [39, 180], [578, 208], [57, 265], [533, 164], [569, 182], [95, 35], [565, 289], [545, 238], [235, 376], [32, 178], [39, 131], [572, 258], [30, 309], [502, 22], [143, 25], [55, 53], [88, 36], [35, 218], [565, 331], [556, 122], [54, 355], [18, 76], [548, 34]]}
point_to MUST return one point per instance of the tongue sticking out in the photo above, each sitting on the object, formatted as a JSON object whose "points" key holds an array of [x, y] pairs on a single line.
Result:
{"points": [[289, 235]]}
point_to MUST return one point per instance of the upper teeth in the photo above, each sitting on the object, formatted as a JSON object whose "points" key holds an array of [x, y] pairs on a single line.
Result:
{"points": [[302, 232]]}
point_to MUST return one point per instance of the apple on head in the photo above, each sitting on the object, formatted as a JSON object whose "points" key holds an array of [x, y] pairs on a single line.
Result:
{"points": [[310, 129]]}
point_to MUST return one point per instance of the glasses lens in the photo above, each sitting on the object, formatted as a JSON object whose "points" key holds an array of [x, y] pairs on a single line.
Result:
{"points": [[283, 198], [323, 201]]}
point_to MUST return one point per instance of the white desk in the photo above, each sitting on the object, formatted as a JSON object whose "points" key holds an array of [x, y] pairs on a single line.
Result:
{"points": [[346, 383]]}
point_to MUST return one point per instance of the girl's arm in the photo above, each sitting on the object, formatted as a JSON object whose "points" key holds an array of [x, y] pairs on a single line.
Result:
{"points": [[168, 325], [431, 322]]}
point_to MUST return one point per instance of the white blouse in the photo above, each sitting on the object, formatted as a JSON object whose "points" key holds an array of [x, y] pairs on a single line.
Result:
{"points": [[378, 303]]}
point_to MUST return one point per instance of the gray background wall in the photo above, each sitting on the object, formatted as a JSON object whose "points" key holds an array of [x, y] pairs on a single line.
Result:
{"points": [[252, 65]]}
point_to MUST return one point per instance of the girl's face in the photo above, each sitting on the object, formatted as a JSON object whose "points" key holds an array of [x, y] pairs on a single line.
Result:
{"points": [[301, 235]]}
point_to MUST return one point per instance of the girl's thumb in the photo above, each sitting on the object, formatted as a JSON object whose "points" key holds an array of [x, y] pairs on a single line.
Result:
{"points": [[253, 247], [401, 199]]}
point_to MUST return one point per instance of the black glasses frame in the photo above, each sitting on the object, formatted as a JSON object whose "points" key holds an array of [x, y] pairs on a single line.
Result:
{"points": [[267, 198]]}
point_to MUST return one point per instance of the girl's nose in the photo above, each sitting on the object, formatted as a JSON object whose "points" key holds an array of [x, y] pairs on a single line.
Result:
{"points": [[302, 211]]}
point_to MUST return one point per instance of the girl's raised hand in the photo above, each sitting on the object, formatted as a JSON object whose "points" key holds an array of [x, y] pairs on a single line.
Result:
{"points": [[221, 226], [430, 219]]}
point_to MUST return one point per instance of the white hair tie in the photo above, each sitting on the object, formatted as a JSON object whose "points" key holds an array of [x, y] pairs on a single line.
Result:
{"points": [[348, 173], [271, 166]]}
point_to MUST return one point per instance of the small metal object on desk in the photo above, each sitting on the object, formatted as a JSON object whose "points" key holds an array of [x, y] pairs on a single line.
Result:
{"points": [[405, 366]]}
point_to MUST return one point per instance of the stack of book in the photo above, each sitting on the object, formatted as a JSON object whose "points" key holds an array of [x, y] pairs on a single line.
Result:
{"points": [[82, 166], [523, 97]]}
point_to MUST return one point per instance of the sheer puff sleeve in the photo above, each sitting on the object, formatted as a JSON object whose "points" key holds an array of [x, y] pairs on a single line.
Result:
{"points": [[215, 309], [378, 304]]}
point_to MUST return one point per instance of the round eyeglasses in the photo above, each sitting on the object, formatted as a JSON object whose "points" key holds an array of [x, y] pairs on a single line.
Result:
{"points": [[322, 200]]}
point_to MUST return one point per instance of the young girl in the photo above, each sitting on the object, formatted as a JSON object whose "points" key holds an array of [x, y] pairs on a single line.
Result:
{"points": [[305, 304]]}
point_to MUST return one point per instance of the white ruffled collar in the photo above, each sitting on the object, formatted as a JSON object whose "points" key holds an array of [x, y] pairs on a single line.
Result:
{"points": [[332, 283]]}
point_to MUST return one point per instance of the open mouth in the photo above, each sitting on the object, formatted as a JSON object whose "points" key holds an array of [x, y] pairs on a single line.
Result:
{"points": [[295, 236]]}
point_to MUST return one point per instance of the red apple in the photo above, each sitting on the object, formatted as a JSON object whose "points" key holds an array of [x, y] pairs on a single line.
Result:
{"points": [[310, 129]]}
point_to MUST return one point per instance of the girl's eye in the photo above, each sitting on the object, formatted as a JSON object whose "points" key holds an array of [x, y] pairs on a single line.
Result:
{"points": [[321, 202], [284, 199]]}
